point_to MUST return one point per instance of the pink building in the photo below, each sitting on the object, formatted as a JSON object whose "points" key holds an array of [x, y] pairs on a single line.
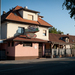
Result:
{"points": [[23, 34]]}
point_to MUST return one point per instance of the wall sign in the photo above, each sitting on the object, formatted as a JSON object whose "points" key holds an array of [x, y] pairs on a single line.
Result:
{"points": [[35, 47], [32, 28], [31, 35]]}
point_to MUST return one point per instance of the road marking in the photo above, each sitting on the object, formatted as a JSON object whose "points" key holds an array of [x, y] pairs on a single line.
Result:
{"points": [[15, 68]]}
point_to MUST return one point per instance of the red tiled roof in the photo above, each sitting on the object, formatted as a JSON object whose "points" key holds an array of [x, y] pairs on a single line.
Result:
{"points": [[42, 22], [18, 18], [17, 7], [56, 38], [12, 17], [24, 38]]}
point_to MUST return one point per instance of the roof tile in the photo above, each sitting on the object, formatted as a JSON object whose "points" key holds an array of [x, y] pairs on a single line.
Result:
{"points": [[10, 16], [24, 38], [56, 38]]}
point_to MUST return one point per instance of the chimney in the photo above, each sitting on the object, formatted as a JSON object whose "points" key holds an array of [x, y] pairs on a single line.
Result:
{"points": [[4, 12], [25, 7], [68, 34], [61, 33]]}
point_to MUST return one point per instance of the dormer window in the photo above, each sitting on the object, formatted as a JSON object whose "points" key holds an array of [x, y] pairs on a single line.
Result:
{"points": [[30, 17], [21, 30], [67, 40], [61, 38], [73, 40]]}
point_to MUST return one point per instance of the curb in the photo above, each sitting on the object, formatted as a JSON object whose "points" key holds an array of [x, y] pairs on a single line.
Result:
{"points": [[33, 60]]}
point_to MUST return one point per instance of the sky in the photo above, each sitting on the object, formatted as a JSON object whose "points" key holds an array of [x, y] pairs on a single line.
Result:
{"points": [[50, 9]]}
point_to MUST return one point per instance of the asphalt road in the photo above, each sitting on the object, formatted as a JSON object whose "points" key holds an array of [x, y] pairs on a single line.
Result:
{"points": [[54, 67]]}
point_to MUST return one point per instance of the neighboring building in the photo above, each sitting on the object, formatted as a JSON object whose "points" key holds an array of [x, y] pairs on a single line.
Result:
{"points": [[60, 45], [23, 33]]}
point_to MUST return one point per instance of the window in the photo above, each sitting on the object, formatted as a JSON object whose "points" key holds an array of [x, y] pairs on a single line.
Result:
{"points": [[61, 38], [30, 17], [12, 44], [44, 32], [21, 30], [8, 44], [27, 44], [66, 40]]}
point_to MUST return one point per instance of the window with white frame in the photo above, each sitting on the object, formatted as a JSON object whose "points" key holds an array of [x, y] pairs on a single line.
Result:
{"points": [[44, 32], [67, 40], [30, 17], [21, 30]]}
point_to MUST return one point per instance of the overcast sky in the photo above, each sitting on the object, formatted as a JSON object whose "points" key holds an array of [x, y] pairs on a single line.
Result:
{"points": [[50, 9]]}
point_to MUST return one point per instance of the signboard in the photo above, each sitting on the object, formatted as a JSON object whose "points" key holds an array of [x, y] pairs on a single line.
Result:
{"points": [[31, 35], [32, 28]]}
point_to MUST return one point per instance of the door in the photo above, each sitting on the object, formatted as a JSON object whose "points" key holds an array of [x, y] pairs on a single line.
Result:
{"points": [[2, 54], [40, 50]]}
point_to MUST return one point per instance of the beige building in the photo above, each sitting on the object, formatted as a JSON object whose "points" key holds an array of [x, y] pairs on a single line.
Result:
{"points": [[23, 18]]}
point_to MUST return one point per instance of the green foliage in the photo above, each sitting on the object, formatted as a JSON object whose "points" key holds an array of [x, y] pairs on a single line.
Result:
{"points": [[70, 5], [54, 30]]}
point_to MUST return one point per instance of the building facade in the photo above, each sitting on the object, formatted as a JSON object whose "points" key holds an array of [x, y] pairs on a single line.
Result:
{"points": [[23, 33], [60, 45]]}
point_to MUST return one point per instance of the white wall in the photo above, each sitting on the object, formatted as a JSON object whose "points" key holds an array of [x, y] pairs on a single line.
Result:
{"points": [[24, 15], [13, 27], [40, 33]]}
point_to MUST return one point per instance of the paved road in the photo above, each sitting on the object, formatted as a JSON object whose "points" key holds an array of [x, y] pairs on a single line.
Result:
{"points": [[39, 67]]}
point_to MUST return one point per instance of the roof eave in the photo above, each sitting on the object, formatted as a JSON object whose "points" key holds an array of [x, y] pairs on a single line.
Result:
{"points": [[61, 43], [25, 22], [28, 41], [28, 10]]}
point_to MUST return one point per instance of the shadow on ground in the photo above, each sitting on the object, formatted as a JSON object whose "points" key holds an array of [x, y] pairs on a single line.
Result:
{"points": [[55, 67]]}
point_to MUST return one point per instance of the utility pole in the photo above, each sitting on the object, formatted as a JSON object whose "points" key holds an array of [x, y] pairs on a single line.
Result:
{"points": [[0, 19]]}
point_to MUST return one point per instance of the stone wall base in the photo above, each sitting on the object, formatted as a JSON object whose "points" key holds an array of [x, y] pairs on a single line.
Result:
{"points": [[22, 58], [69, 55]]}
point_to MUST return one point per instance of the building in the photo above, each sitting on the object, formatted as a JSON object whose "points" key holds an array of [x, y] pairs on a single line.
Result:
{"points": [[60, 45], [23, 34]]}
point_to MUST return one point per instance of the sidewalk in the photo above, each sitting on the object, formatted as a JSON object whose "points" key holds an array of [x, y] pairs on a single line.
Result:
{"points": [[33, 60]]}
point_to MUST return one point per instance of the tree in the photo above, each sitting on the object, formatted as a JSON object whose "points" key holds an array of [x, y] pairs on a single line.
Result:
{"points": [[70, 5], [54, 30], [59, 32]]}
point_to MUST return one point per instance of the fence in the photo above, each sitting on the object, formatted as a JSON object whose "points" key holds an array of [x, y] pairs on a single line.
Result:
{"points": [[61, 51], [73, 52]]}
